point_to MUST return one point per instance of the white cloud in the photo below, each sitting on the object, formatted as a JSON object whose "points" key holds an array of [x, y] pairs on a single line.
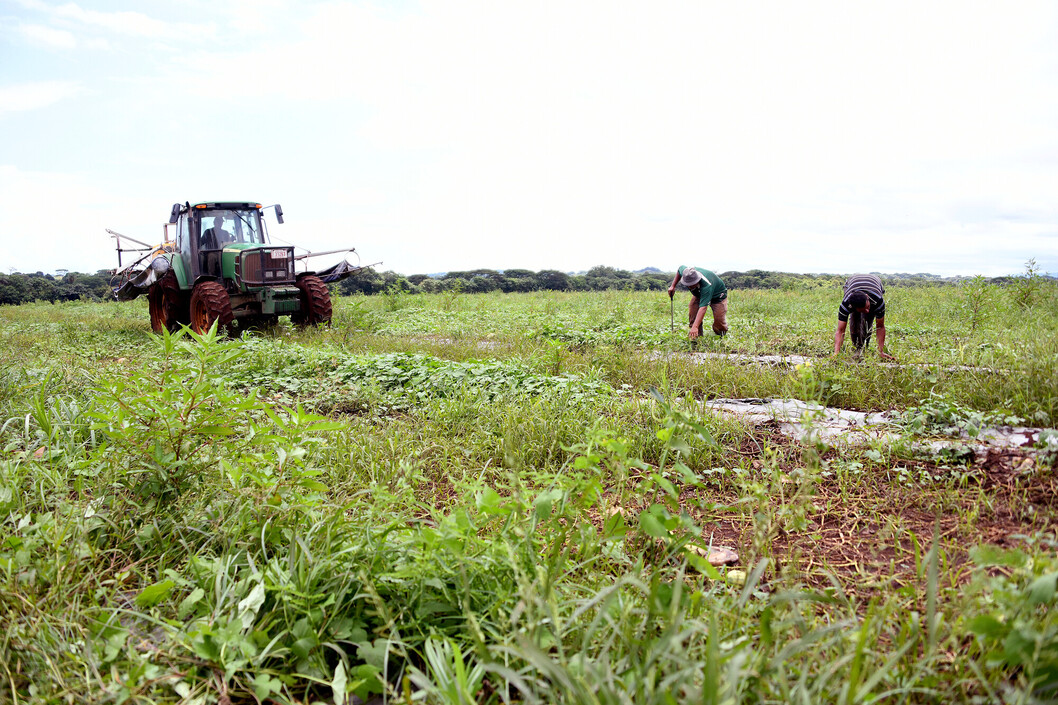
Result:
{"points": [[134, 24], [97, 43], [131, 24], [33, 96], [48, 36]]}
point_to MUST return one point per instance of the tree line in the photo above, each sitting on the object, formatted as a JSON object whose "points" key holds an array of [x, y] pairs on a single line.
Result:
{"points": [[599, 278], [479, 281], [23, 288], [72, 286]]}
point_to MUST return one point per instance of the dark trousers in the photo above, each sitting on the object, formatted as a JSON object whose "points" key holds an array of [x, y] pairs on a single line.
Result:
{"points": [[719, 310], [860, 327]]}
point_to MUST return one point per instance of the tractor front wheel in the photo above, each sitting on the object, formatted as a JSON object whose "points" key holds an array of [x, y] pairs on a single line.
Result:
{"points": [[165, 302], [315, 302], [210, 304]]}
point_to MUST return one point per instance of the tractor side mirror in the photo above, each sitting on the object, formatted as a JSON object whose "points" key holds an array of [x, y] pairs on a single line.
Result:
{"points": [[279, 213], [175, 215]]}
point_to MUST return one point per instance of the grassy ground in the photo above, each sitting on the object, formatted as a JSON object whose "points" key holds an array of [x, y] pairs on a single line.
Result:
{"points": [[494, 498]]}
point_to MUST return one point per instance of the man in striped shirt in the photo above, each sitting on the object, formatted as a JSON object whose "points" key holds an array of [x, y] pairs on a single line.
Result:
{"points": [[864, 304]]}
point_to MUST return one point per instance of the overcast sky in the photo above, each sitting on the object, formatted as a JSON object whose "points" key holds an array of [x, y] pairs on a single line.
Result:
{"points": [[797, 136]]}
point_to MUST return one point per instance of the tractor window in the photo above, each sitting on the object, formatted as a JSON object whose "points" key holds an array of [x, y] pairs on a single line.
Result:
{"points": [[183, 239], [247, 226], [217, 228], [221, 227]]}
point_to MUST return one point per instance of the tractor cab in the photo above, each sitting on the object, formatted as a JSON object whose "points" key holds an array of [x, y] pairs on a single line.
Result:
{"points": [[205, 231]]}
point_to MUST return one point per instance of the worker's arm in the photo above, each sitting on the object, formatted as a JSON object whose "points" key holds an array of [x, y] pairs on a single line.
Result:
{"points": [[672, 286], [698, 321], [880, 322], [839, 336]]}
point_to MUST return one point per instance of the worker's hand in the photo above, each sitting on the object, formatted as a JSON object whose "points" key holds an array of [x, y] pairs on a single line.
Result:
{"points": [[886, 356], [671, 292], [694, 333]]}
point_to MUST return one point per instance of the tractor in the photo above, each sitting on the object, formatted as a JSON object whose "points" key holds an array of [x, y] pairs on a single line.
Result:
{"points": [[221, 268]]}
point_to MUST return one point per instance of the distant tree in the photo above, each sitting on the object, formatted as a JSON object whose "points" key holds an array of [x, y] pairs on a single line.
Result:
{"points": [[600, 278], [455, 284], [753, 279], [601, 272], [552, 280], [653, 281], [518, 280], [479, 281], [76, 292], [41, 288], [431, 286], [394, 282], [11, 290], [578, 282], [476, 285], [366, 281]]}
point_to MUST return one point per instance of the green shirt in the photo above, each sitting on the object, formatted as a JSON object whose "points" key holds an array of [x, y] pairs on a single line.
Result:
{"points": [[711, 289]]}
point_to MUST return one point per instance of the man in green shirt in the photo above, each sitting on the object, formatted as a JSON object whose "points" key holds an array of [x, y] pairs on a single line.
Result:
{"points": [[707, 291]]}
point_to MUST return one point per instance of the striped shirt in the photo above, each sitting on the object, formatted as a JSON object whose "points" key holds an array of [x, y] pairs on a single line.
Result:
{"points": [[869, 284]]}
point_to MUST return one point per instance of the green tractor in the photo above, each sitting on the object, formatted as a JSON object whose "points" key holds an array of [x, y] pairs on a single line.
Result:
{"points": [[222, 268]]}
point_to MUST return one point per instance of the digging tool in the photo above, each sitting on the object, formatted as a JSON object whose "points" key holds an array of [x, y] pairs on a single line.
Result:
{"points": [[672, 316]]}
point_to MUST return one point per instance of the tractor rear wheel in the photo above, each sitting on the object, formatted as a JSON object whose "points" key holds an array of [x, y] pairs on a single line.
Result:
{"points": [[165, 304], [210, 304], [315, 302]]}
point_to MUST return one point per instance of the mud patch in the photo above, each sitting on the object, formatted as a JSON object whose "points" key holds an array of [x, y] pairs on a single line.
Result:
{"points": [[809, 422]]}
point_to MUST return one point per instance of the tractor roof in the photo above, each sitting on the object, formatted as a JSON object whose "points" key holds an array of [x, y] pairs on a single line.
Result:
{"points": [[228, 205]]}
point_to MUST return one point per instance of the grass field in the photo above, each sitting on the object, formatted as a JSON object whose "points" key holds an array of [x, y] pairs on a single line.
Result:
{"points": [[488, 498]]}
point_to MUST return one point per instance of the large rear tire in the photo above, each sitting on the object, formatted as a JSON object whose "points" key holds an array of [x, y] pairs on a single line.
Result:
{"points": [[210, 304], [165, 304], [315, 302]]}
